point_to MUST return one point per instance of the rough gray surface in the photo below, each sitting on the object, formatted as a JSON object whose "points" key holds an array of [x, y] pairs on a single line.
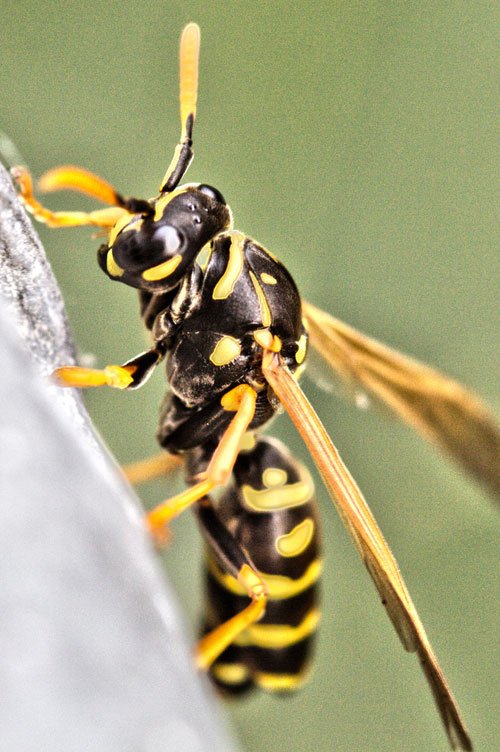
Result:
{"points": [[93, 656]]}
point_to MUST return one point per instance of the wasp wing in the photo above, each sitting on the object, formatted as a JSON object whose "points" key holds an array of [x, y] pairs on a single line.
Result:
{"points": [[437, 407], [369, 541]]}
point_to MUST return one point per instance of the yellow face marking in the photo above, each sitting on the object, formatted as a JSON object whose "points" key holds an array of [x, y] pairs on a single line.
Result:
{"points": [[227, 349], [163, 270], [279, 635], [226, 283], [301, 349], [279, 495], [297, 540], [268, 279], [165, 198], [112, 266], [230, 673], [118, 227], [279, 587], [264, 307], [281, 682]]}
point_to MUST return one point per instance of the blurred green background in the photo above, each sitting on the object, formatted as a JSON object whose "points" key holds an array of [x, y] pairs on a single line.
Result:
{"points": [[355, 140]]}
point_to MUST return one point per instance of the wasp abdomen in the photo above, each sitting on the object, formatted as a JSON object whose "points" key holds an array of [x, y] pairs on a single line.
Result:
{"points": [[271, 512]]}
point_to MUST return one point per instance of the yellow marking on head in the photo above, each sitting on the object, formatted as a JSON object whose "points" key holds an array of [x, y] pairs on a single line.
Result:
{"points": [[227, 349], [276, 636], [248, 442], [278, 496], [203, 257], [265, 313], [136, 226], [118, 227], [162, 202], [279, 587], [274, 476], [268, 279], [301, 349], [226, 283], [112, 266], [230, 673], [281, 682], [297, 540], [163, 270]]}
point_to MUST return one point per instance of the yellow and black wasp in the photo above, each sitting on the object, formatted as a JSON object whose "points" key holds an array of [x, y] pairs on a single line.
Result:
{"points": [[228, 319]]}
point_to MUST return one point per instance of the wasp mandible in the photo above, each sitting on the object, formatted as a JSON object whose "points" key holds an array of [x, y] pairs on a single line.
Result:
{"points": [[228, 319]]}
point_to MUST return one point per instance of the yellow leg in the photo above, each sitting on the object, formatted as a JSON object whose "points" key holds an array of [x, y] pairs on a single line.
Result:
{"points": [[151, 468], [214, 643], [70, 178], [242, 400], [101, 218], [119, 377]]}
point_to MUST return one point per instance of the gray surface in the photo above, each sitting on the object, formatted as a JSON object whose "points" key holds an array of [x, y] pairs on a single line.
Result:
{"points": [[93, 656]]}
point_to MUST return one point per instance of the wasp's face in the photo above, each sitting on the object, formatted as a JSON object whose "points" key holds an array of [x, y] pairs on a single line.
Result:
{"points": [[154, 251]]}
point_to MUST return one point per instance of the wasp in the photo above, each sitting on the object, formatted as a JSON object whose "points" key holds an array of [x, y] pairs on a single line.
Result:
{"points": [[227, 317]]}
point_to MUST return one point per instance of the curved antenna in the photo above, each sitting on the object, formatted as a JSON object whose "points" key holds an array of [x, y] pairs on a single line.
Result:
{"points": [[189, 54]]}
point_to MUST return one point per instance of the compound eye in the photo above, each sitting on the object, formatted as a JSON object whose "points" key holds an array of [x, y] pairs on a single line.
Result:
{"points": [[169, 237], [213, 193]]}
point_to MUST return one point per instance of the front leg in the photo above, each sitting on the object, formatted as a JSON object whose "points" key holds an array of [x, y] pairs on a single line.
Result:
{"points": [[131, 375]]}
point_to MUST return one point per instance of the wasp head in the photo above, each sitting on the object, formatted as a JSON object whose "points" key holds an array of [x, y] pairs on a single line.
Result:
{"points": [[153, 250]]}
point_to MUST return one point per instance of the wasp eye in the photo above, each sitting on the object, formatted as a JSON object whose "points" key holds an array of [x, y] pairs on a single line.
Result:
{"points": [[170, 237], [213, 193]]}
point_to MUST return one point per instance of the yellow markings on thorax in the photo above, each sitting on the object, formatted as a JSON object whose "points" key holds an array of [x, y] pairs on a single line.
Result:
{"points": [[279, 635], [278, 586], [163, 270], [265, 313], [278, 494], [266, 339], [297, 540], [112, 266], [226, 283], [282, 682], [268, 279], [203, 257], [301, 349], [227, 349]]}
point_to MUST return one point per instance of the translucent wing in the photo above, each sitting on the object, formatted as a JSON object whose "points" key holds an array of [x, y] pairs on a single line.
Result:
{"points": [[435, 406], [369, 541]]}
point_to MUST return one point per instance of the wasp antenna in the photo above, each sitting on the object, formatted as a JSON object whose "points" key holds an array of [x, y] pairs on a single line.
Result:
{"points": [[189, 55]]}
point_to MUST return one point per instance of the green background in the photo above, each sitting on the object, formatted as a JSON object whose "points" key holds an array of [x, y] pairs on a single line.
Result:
{"points": [[355, 140]]}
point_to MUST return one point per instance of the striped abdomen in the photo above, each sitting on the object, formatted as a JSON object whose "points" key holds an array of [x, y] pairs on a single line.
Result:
{"points": [[270, 509]]}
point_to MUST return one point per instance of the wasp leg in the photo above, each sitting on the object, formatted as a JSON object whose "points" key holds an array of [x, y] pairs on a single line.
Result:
{"points": [[241, 400], [234, 559], [151, 468], [71, 178], [101, 218], [130, 375]]}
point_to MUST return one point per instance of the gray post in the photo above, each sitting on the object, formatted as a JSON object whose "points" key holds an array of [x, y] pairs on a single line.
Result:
{"points": [[92, 654]]}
